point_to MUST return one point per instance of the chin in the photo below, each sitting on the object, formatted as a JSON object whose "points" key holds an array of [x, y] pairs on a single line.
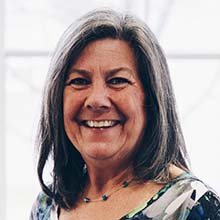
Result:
{"points": [[100, 151]]}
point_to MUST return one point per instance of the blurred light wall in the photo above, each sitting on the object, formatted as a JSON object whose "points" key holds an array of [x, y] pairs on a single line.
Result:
{"points": [[187, 30]]}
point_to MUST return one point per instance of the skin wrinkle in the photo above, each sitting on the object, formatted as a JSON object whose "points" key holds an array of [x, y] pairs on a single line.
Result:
{"points": [[154, 77], [96, 75]]}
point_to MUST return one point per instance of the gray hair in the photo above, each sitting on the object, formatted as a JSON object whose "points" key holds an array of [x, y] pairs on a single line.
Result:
{"points": [[162, 143]]}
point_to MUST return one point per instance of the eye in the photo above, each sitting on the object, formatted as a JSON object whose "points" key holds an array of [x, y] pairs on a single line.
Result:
{"points": [[78, 82], [118, 81]]}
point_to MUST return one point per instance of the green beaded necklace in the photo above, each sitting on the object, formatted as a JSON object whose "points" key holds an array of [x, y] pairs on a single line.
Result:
{"points": [[105, 197]]}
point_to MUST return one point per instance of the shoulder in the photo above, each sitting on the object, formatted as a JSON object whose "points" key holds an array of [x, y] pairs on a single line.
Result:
{"points": [[195, 199], [207, 207], [182, 198], [42, 207]]}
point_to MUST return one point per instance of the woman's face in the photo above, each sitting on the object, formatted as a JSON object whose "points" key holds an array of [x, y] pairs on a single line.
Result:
{"points": [[104, 114]]}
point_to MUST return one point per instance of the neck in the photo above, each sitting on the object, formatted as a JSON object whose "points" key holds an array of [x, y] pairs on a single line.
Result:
{"points": [[103, 180]]}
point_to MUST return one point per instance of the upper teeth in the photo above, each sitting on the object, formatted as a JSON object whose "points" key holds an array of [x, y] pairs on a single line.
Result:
{"points": [[99, 124]]}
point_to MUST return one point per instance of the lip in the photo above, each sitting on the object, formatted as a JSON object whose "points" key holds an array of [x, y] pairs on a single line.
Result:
{"points": [[120, 119], [84, 122]]}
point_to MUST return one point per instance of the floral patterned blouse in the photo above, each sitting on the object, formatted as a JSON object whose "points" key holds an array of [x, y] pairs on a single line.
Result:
{"points": [[185, 198]]}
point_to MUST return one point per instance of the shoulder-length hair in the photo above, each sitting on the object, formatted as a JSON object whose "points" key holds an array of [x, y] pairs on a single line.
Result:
{"points": [[162, 142]]}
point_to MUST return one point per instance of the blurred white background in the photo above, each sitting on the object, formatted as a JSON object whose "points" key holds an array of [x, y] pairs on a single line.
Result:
{"points": [[29, 30]]}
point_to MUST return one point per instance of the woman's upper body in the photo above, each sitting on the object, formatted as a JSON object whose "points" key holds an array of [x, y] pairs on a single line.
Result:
{"points": [[185, 198], [109, 107]]}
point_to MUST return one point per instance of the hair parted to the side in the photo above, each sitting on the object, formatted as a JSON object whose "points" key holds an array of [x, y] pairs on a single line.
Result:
{"points": [[162, 143]]}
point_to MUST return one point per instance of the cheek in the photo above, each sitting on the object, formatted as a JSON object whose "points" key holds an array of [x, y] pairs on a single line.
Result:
{"points": [[67, 108], [135, 103], [70, 107], [131, 104]]}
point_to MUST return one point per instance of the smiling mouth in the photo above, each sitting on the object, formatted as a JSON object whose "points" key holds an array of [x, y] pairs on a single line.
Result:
{"points": [[100, 124]]}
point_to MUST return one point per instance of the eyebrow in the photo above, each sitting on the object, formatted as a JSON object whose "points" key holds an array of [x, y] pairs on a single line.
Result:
{"points": [[80, 71], [108, 72], [114, 71]]}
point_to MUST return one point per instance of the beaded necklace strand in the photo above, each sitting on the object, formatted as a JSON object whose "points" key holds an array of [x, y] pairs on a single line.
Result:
{"points": [[105, 196]]}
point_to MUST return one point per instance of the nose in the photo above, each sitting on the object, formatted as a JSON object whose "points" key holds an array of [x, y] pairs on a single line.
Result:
{"points": [[98, 99]]}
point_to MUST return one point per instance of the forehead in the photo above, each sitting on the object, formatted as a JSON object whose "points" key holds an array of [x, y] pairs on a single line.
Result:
{"points": [[108, 44], [107, 53]]}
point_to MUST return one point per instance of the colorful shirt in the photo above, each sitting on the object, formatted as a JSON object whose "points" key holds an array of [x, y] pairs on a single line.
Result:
{"points": [[185, 198]]}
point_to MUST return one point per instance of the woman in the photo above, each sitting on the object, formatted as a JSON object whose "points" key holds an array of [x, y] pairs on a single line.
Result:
{"points": [[110, 124]]}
